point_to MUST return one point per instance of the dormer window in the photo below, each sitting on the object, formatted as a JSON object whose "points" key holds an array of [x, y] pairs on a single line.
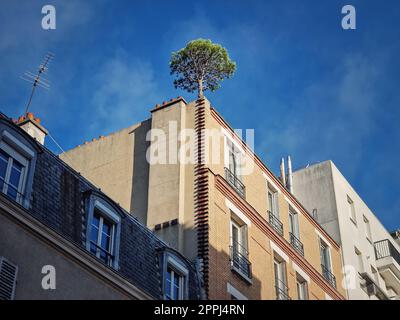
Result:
{"points": [[103, 231], [17, 162], [12, 172], [176, 277]]}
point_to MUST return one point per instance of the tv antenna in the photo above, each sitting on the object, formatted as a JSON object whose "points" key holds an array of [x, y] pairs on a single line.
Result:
{"points": [[37, 80]]}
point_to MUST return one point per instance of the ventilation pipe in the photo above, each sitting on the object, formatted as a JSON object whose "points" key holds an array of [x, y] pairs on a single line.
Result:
{"points": [[290, 175], [282, 168]]}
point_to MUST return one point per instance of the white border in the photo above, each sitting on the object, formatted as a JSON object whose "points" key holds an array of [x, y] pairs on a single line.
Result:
{"points": [[275, 248], [236, 211], [236, 293]]}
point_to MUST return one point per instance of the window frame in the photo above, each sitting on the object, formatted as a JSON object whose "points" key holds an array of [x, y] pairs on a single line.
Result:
{"points": [[239, 155], [178, 266], [368, 231], [329, 258], [21, 149], [352, 210], [107, 212], [303, 284], [273, 201]]}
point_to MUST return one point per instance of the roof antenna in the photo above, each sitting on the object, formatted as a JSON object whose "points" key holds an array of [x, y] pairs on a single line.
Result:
{"points": [[37, 79]]}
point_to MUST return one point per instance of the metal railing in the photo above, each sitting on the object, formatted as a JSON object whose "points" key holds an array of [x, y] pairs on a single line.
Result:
{"points": [[385, 248], [239, 259], [235, 182], [281, 290], [296, 244], [328, 275], [109, 257], [275, 223]]}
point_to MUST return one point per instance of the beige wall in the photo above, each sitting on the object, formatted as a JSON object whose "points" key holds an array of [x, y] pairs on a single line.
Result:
{"points": [[117, 164], [171, 195]]}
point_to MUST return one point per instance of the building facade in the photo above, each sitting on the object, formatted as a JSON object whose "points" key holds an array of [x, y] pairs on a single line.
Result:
{"points": [[371, 255], [62, 238], [216, 203]]}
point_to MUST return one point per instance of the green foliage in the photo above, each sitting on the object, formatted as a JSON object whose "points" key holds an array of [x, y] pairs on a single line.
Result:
{"points": [[201, 66]]}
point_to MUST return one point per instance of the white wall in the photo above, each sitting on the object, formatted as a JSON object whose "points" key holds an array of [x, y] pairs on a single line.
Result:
{"points": [[315, 187]]}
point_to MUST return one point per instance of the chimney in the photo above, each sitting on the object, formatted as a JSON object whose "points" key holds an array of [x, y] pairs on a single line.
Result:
{"points": [[32, 126], [290, 175], [282, 168]]}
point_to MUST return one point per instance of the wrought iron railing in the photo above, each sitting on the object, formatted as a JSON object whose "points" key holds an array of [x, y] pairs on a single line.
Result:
{"points": [[235, 182], [108, 256], [275, 223], [385, 248], [328, 275], [239, 259], [296, 244], [281, 290]]}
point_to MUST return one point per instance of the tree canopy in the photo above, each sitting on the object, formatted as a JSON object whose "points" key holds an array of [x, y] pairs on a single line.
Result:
{"points": [[201, 66]]}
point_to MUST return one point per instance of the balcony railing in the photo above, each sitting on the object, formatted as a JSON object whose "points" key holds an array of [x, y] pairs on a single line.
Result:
{"points": [[239, 259], [328, 275], [281, 290], [101, 253], [235, 182], [296, 244], [275, 223], [385, 248]]}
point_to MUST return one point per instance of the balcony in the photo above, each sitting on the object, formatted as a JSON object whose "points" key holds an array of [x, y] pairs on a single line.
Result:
{"points": [[328, 275], [296, 244], [388, 263], [235, 182], [281, 290], [239, 261], [275, 223]]}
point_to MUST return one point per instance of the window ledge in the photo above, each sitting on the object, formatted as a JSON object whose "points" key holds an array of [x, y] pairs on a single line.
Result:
{"points": [[242, 275]]}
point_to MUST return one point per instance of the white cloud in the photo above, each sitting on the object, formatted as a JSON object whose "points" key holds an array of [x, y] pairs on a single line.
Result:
{"points": [[124, 89]]}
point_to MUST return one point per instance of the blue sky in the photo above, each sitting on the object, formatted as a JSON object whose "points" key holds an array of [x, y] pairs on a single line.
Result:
{"points": [[307, 87]]}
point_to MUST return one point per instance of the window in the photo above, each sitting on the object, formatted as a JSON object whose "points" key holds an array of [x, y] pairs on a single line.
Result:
{"points": [[12, 173], [233, 167], [103, 232], [235, 159], [273, 205], [326, 265], [8, 279], [294, 223], [352, 212], [17, 165], [101, 237], [325, 255], [176, 276], [174, 285], [302, 288], [239, 248], [281, 289], [367, 229], [360, 263]]}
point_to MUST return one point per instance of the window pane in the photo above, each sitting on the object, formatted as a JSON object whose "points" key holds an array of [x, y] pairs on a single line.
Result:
{"points": [[168, 284], [94, 233], [105, 242], [15, 174], [107, 228], [3, 164]]}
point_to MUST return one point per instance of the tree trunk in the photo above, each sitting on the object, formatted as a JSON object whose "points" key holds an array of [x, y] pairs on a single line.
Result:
{"points": [[200, 85]]}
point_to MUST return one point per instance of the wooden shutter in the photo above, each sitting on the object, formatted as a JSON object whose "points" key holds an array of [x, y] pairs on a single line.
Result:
{"points": [[8, 279]]}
